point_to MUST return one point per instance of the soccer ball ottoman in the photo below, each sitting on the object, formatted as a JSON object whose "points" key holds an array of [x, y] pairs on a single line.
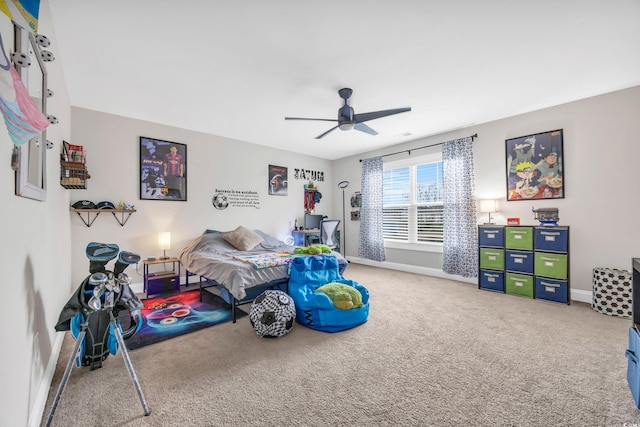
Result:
{"points": [[272, 314]]}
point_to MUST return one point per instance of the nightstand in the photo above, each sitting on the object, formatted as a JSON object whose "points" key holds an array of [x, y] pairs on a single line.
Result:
{"points": [[161, 281]]}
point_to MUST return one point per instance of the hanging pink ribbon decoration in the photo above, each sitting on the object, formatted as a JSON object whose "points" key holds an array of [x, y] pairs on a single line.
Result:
{"points": [[23, 118]]}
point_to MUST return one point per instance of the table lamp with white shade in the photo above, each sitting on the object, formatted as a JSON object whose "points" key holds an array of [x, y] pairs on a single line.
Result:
{"points": [[164, 240], [489, 206]]}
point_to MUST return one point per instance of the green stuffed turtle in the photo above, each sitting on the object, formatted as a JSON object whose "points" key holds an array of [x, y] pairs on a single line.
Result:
{"points": [[344, 297], [313, 249]]}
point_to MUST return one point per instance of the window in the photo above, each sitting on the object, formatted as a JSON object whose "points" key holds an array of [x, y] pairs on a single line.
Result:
{"points": [[412, 200]]}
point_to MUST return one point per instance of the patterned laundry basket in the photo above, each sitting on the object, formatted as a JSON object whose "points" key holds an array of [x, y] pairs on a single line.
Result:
{"points": [[612, 292]]}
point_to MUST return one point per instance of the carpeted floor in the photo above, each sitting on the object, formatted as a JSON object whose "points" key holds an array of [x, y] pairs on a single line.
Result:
{"points": [[433, 353]]}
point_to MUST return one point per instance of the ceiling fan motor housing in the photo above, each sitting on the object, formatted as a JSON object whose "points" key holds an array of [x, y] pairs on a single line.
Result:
{"points": [[345, 117], [347, 120]]}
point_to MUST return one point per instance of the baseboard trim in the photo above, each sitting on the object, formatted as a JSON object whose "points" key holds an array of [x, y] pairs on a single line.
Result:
{"points": [[37, 411], [581, 296], [426, 271], [576, 295]]}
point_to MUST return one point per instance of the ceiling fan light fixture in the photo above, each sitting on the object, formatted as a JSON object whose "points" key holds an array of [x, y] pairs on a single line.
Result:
{"points": [[348, 120]]}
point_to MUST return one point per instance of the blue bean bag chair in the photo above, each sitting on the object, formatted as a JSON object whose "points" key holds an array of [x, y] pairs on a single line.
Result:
{"points": [[315, 309]]}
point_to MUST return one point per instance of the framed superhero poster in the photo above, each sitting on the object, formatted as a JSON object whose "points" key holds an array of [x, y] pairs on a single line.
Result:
{"points": [[163, 170], [535, 167]]}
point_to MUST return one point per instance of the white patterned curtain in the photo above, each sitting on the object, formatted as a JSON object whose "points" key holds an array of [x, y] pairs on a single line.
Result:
{"points": [[371, 243], [460, 242]]}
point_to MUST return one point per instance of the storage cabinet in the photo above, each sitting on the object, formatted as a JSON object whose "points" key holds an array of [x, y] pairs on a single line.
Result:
{"points": [[528, 261], [164, 280]]}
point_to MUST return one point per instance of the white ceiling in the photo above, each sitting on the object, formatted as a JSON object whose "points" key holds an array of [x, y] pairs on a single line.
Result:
{"points": [[236, 68]]}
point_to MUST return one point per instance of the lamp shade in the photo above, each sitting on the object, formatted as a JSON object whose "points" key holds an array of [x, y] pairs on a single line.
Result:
{"points": [[164, 240], [488, 206]]}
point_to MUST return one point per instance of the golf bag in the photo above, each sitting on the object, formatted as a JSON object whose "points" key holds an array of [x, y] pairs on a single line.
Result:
{"points": [[102, 295]]}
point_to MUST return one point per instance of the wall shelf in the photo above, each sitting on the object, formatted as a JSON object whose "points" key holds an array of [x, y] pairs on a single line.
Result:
{"points": [[73, 175], [73, 171], [125, 214]]}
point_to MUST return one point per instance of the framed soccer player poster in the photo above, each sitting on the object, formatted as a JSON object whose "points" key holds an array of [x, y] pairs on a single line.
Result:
{"points": [[163, 170]]}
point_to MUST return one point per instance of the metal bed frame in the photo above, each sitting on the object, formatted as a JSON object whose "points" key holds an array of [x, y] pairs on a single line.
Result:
{"points": [[203, 282]]}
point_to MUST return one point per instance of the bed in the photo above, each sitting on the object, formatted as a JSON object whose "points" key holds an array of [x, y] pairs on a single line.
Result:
{"points": [[243, 269]]}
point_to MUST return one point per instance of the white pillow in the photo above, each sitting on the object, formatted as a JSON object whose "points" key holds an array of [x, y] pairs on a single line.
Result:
{"points": [[242, 238]]}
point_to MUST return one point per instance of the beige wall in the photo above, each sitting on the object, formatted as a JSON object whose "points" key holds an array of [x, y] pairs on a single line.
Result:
{"points": [[601, 162], [35, 265], [213, 162]]}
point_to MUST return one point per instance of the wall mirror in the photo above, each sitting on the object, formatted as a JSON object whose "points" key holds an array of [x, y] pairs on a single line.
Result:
{"points": [[31, 177]]}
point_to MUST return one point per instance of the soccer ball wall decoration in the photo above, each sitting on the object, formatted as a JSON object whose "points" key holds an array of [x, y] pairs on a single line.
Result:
{"points": [[272, 314]]}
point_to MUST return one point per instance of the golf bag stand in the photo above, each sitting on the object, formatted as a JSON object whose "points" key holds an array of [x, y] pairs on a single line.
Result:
{"points": [[90, 315], [74, 354]]}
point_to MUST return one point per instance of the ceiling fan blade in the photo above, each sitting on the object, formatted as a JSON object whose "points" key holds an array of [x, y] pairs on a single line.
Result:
{"points": [[363, 117], [364, 128], [320, 136], [303, 118]]}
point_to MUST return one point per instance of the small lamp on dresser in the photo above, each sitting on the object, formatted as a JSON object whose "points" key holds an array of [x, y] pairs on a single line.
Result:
{"points": [[489, 206]]}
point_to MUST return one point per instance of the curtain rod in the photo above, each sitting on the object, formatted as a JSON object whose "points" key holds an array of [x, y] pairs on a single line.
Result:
{"points": [[475, 135]]}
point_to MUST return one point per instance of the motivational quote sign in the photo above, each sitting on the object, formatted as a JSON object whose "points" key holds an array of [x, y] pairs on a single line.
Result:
{"points": [[222, 199]]}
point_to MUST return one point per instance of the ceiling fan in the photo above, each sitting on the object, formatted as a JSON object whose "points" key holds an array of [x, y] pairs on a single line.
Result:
{"points": [[347, 120]]}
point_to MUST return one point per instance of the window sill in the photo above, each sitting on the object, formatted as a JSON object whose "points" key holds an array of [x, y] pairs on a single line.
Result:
{"points": [[420, 247]]}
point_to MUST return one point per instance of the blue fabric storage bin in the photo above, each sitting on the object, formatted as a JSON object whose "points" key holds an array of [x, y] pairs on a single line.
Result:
{"points": [[491, 236], [552, 239], [520, 261], [492, 280], [633, 365], [316, 310], [551, 290]]}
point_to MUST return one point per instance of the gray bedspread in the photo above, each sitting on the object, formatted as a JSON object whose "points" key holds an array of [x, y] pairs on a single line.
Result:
{"points": [[212, 257]]}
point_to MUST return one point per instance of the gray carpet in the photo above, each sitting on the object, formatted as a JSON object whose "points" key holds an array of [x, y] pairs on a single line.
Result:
{"points": [[433, 353]]}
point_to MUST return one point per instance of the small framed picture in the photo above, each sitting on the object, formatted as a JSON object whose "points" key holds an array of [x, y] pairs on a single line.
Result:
{"points": [[535, 166], [278, 180], [163, 170]]}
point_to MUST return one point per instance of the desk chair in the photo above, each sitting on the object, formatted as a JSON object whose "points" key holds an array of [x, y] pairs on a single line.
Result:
{"points": [[328, 229]]}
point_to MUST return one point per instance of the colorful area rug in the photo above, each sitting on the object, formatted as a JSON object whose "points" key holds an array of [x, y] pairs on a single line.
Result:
{"points": [[178, 314]]}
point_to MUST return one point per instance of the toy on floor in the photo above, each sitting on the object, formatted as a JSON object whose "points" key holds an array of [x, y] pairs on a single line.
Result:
{"points": [[344, 297], [272, 314], [313, 249]]}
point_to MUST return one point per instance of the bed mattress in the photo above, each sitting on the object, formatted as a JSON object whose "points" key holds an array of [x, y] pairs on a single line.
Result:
{"points": [[213, 258]]}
